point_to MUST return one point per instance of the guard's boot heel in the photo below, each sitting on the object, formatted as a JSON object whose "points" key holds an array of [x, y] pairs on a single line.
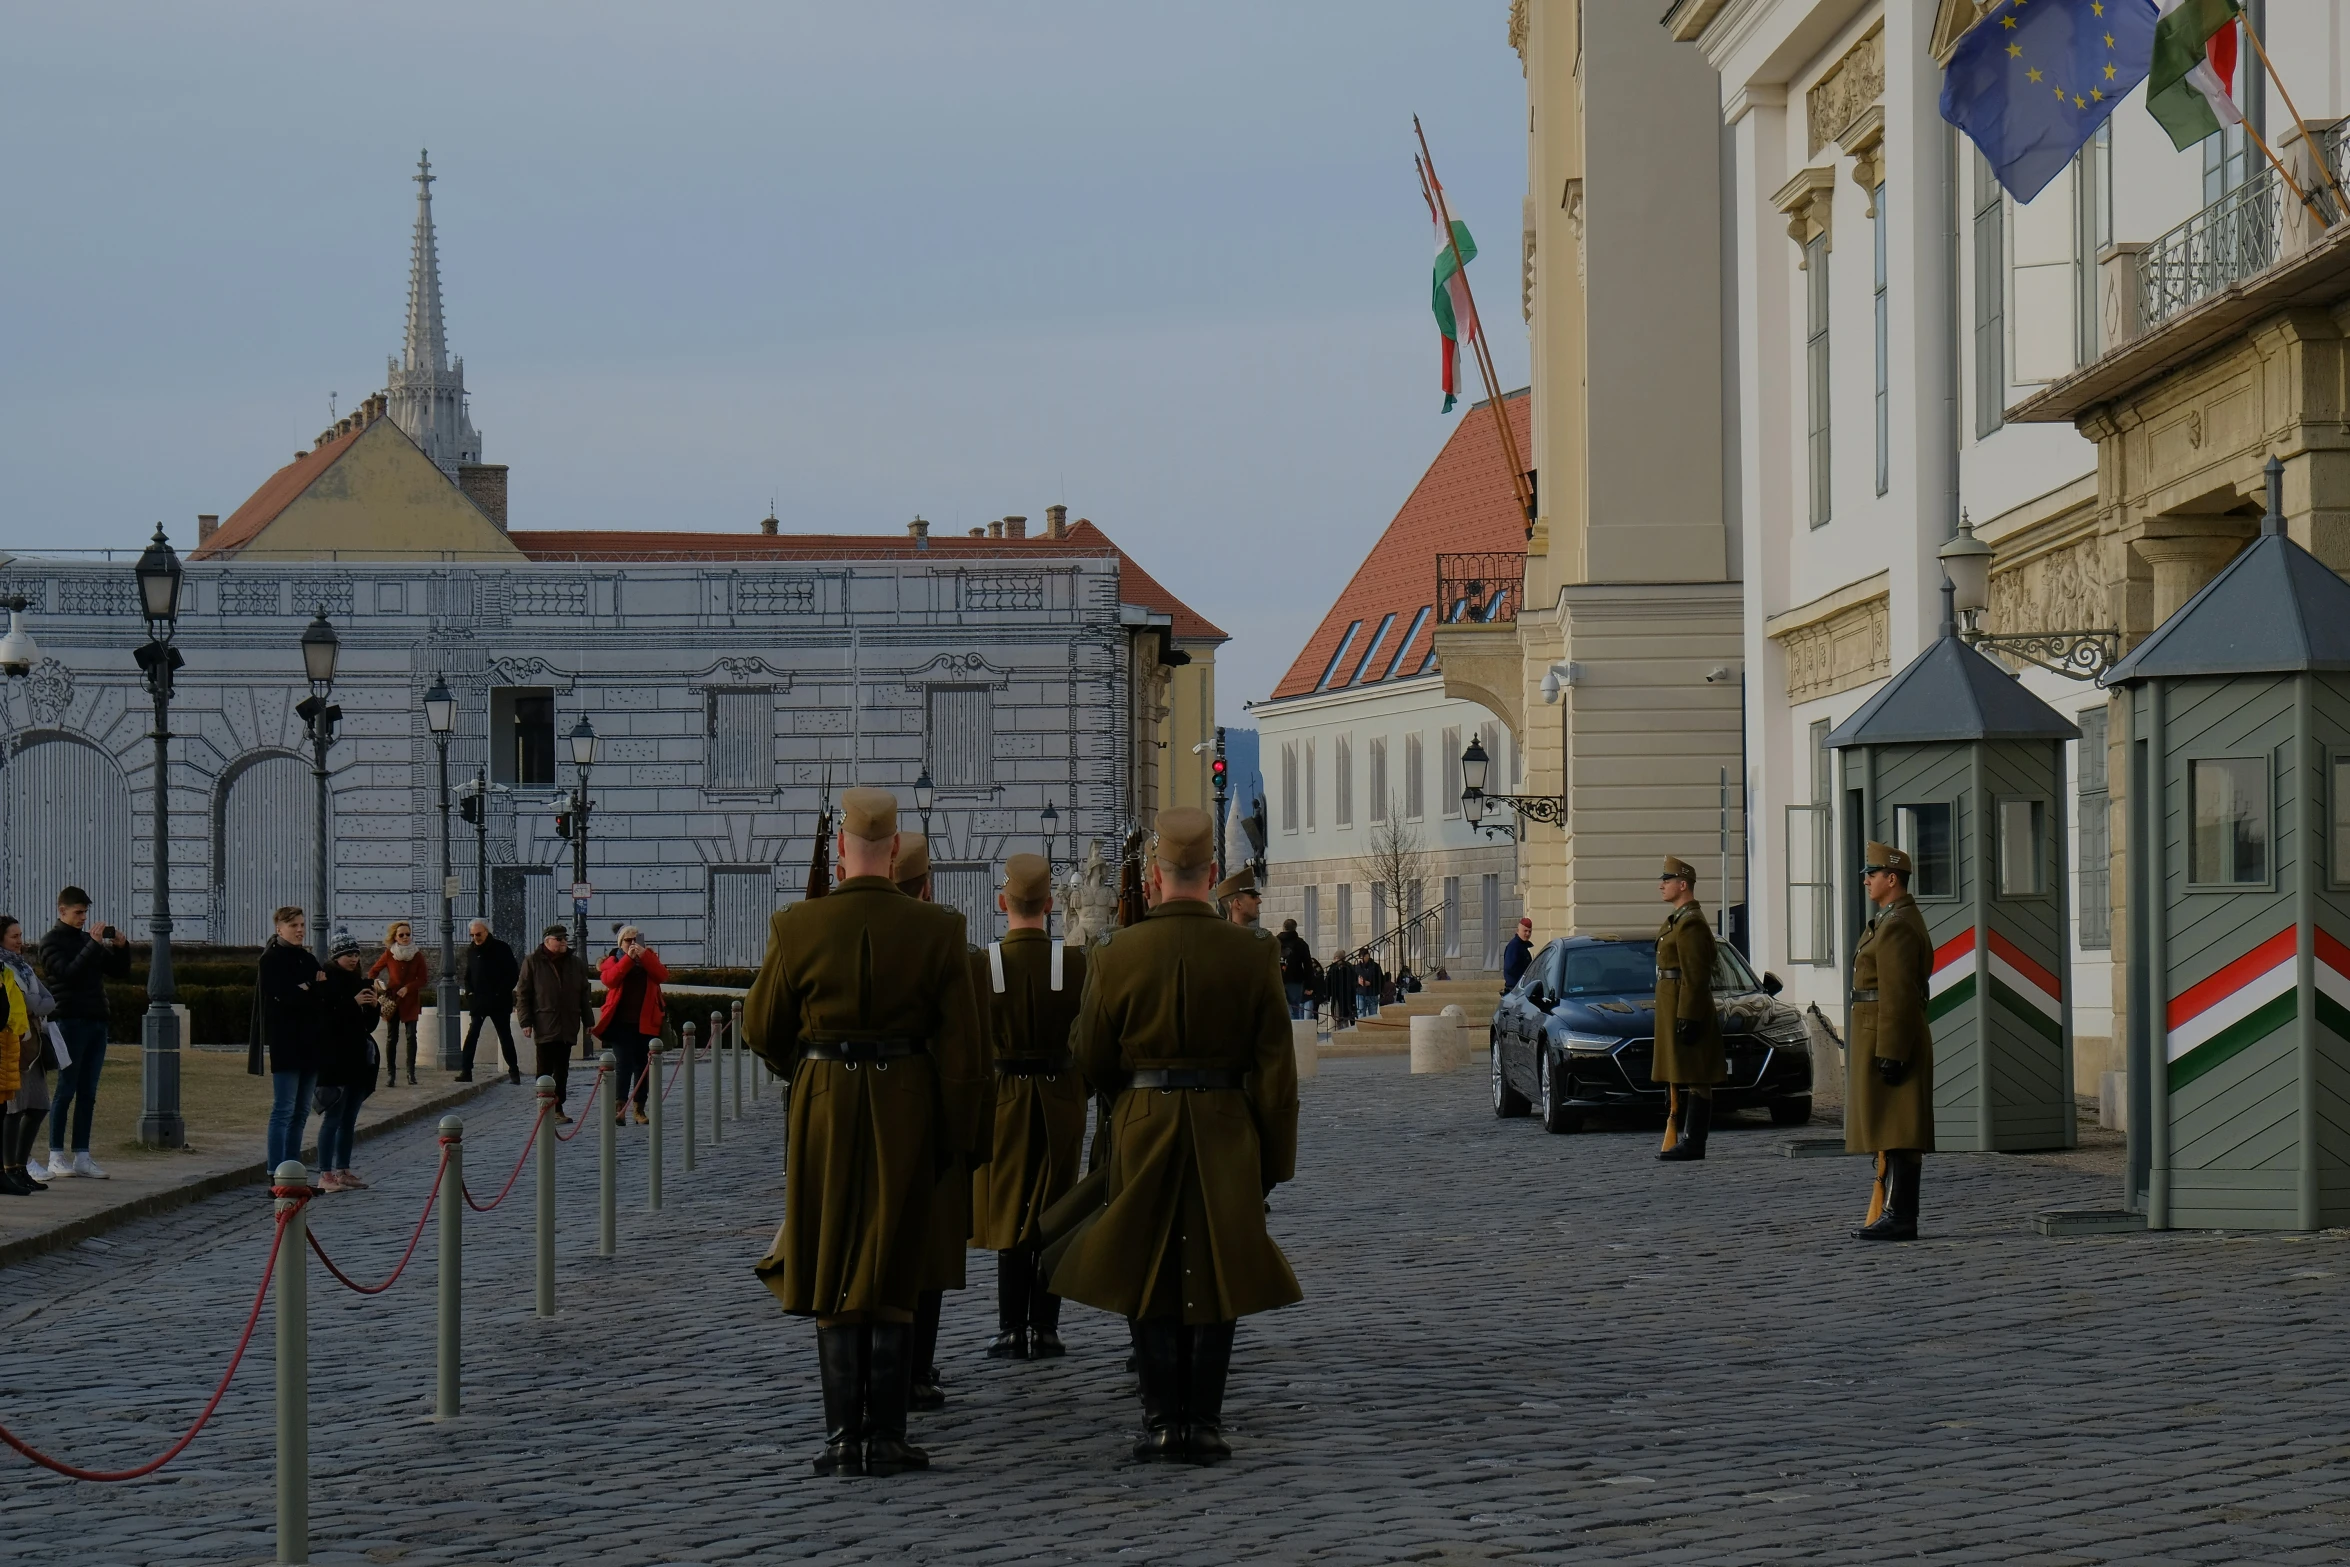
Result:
{"points": [[1696, 1120], [1203, 1394], [887, 1451], [1158, 1345], [838, 1357]]}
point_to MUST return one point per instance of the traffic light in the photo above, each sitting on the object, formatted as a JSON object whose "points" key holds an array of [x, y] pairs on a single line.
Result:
{"points": [[563, 824], [1216, 770], [470, 809]]}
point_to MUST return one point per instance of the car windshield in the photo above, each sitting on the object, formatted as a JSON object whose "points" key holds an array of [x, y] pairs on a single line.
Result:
{"points": [[1629, 968]]}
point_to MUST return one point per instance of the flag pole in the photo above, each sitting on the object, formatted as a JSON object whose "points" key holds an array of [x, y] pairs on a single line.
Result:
{"points": [[2286, 174], [2286, 93], [1433, 190]]}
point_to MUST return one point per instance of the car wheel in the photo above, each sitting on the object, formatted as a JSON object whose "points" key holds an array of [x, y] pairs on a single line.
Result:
{"points": [[1556, 1117], [1790, 1112], [1508, 1103]]}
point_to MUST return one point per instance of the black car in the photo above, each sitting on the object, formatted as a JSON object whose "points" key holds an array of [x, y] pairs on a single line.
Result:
{"points": [[1574, 1036]]}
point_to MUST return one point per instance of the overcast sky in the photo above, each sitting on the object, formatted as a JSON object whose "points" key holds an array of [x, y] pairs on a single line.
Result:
{"points": [[1165, 263]]}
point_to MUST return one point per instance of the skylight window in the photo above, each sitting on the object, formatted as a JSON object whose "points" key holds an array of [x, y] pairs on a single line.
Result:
{"points": [[1386, 624], [1395, 665], [1344, 643]]}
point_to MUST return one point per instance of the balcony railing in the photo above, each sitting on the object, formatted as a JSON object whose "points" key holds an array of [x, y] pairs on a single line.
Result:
{"points": [[1479, 589], [2236, 237]]}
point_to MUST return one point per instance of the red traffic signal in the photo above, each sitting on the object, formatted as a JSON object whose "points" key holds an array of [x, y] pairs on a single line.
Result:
{"points": [[562, 824]]}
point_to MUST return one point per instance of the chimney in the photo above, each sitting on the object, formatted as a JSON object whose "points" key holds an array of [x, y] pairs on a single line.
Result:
{"points": [[770, 525], [918, 529], [979, 533], [995, 530], [324, 436], [1015, 527], [484, 484], [1056, 522], [207, 524]]}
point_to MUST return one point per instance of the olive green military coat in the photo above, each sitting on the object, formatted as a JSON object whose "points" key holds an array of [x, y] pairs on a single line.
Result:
{"points": [[1893, 962], [1685, 994], [1184, 1229], [1039, 1121], [868, 1141], [949, 1233]]}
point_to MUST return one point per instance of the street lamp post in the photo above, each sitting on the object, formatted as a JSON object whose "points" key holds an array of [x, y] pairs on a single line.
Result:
{"points": [[1966, 566], [473, 803], [160, 1124], [1216, 771], [1050, 817], [440, 716], [1475, 800], [583, 756], [321, 648], [925, 795]]}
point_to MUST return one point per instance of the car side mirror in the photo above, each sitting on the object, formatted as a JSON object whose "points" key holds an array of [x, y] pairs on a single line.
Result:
{"points": [[1772, 983], [1542, 999]]}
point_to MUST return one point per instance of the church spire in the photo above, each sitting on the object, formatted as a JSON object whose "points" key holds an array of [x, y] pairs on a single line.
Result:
{"points": [[426, 388]]}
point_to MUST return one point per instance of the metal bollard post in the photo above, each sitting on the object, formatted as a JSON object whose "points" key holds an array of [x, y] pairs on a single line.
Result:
{"points": [[293, 1371], [608, 1156], [717, 1087], [654, 1050], [734, 1054], [452, 1324], [546, 1269], [686, 1034]]}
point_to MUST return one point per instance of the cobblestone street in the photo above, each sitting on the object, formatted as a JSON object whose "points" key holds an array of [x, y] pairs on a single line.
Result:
{"points": [[1515, 1347]]}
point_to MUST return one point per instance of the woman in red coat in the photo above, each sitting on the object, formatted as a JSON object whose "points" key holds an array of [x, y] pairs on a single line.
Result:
{"points": [[632, 1014], [399, 975]]}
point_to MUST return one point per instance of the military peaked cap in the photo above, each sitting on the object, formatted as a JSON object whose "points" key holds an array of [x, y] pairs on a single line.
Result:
{"points": [[871, 814], [913, 857], [1187, 839]]}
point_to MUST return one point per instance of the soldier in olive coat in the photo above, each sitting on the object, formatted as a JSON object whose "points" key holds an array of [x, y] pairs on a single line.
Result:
{"points": [[1184, 1015], [864, 1003], [1033, 984], [1689, 1059], [1889, 1091]]}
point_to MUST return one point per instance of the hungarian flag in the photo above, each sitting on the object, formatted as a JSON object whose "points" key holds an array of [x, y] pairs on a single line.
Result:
{"points": [[1456, 313], [2191, 88]]}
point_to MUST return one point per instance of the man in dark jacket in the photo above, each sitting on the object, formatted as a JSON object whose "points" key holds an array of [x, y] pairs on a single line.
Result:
{"points": [[289, 1030], [490, 976], [1297, 966], [552, 998], [1517, 955], [78, 962], [1338, 989]]}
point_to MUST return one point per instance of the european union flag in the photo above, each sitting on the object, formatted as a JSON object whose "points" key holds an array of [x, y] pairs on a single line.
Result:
{"points": [[2035, 78]]}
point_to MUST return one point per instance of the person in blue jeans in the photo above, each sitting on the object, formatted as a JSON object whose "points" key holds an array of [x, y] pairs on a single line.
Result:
{"points": [[289, 999], [78, 961], [346, 1063]]}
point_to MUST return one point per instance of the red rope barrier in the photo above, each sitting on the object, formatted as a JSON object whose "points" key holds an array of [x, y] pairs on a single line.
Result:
{"points": [[417, 1235], [585, 1113], [545, 1107], [268, 1271]]}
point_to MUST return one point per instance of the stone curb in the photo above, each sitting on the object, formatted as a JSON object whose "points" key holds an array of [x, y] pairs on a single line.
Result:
{"points": [[74, 1231]]}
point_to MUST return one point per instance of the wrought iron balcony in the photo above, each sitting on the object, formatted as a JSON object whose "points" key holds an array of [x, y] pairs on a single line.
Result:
{"points": [[2236, 237], [1479, 589]]}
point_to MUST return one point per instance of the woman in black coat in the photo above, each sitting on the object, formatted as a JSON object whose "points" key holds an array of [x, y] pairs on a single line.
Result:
{"points": [[287, 1023], [346, 1064]]}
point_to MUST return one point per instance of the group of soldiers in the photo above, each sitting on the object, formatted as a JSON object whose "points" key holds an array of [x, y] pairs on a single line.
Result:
{"points": [[1889, 1090], [938, 1099]]}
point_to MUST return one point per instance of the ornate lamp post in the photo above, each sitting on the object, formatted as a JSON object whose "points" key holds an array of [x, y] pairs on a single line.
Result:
{"points": [[160, 1125], [440, 716], [1050, 819], [1475, 765], [320, 650], [473, 803], [925, 796], [19, 653], [583, 756], [2077, 655]]}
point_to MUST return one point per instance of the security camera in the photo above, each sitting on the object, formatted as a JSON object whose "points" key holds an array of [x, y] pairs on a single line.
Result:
{"points": [[1717, 674]]}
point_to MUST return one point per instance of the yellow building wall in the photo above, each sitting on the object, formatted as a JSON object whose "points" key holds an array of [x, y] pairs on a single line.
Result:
{"points": [[382, 500], [1184, 778]]}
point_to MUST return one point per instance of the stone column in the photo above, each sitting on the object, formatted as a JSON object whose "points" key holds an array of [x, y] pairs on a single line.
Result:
{"points": [[2183, 563]]}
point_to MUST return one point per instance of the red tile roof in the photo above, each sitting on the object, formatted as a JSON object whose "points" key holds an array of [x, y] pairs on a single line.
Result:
{"points": [[1135, 585], [280, 490], [1463, 504]]}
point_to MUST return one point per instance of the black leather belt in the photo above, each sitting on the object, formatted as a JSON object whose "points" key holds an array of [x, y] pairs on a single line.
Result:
{"points": [[1863, 995], [1036, 1068], [857, 1050], [1194, 1079], [1668, 973]]}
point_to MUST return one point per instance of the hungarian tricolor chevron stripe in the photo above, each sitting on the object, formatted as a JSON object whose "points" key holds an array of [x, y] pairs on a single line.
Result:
{"points": [[2251, 998], [1951, 985], [2026, 989]]}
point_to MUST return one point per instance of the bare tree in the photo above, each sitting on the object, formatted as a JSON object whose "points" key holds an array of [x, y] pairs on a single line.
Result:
{"points": [[1396, 863]]}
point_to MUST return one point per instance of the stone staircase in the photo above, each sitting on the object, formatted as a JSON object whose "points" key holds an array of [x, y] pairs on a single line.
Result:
{"points": [[1390, 1033]]}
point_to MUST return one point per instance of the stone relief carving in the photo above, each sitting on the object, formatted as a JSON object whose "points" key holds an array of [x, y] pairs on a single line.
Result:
{"points": [[1851, 85], [1518, 10], [1572, 201], [50, 690], [2062, 590], [1849, 648], [1089, 903], [531, 671], [959, 669]]}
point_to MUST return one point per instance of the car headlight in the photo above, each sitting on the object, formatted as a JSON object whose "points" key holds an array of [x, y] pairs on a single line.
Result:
{"points": [[1589, 1044], [1787, 1039]]}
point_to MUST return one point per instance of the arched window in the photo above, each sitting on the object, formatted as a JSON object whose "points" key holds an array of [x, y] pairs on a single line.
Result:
{"points": [[65, 819], [265, 846]]}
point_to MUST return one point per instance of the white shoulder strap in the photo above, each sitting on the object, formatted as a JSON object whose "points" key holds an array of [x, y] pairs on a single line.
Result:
{"points": [[1057, 945], [995, 965]]}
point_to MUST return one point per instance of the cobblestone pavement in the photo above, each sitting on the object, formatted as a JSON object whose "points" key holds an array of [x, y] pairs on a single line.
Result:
{"points": [[1515, 1347]]}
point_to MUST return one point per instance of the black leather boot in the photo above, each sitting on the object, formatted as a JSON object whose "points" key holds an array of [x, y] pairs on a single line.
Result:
{"points": [[889, 1378], [1012, 1274], [1899, 1221], [1696, 1120], [926, 1392], [1044, 1319], [1158, 1353], [840, 1357], [1676, 1110], [1203, 1393]]}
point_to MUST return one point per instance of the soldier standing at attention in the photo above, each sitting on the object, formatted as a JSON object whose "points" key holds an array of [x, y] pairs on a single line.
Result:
{"points": [[864, 1004], [1890, 1084], [1238, 896], [1689, 1058], [1183, 1014], [1033, 985]]}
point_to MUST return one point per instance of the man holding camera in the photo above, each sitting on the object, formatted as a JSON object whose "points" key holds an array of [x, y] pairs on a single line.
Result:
{"points": [[78, 965], [1889, 1108]]}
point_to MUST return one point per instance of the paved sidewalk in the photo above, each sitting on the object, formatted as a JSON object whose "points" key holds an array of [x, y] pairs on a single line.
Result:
{"points": [[1515, 1348]]}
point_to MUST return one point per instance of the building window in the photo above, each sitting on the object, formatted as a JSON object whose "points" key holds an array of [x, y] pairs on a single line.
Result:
{"points": [[1990, 228], [1342, 767], [1924, 832], [1453, 785], [1452, 916], [1310, 919], [1346, 913], [742, 897], [2092, 232], [2229, 845], [1289, 786], [1378, 781], [1489, 919], [1884, 353], [1811, 879], [522, 736], [1815, 373], [2096, 910], [1309, 783], [1330, 672], [1411, 634], [1415, 804], [740, 738], [959, 748], [1386, 624], [1378, 909], [2023, 848], [2224, 165]]}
